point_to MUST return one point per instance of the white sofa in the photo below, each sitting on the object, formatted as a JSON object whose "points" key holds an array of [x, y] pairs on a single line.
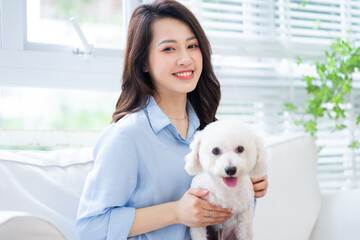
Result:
{"points": [[39, 195]]}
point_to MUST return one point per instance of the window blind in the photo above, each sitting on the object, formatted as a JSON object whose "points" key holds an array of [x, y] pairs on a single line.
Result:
{"points": [[255, 45]]}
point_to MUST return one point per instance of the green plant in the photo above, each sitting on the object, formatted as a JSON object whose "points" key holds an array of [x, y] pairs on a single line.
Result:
{"points": [[330, 91]]}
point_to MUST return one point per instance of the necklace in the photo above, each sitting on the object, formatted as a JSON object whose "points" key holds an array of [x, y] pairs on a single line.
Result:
{"points": [[179, 118]]}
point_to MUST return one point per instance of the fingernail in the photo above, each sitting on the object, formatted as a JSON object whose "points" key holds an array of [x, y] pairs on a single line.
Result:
{"points": [[205, 190]]}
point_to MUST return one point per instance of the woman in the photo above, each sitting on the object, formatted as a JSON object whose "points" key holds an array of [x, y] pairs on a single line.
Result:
{"points": [[138, 186]]}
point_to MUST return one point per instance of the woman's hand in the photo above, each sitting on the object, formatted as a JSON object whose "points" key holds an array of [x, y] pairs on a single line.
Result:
{"points": [[260, 186], [193, 211]]}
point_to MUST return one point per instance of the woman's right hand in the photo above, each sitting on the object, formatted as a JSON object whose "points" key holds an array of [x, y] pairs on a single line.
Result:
{"points": [[193, 211]]}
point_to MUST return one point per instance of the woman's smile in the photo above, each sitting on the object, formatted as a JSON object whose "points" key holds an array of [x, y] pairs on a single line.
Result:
{"points": [[184, 75]]}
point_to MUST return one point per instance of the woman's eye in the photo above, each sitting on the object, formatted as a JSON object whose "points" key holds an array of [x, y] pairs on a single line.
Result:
{"points": [[193, 46], [216, 151], [168, 49], [240, 149]]}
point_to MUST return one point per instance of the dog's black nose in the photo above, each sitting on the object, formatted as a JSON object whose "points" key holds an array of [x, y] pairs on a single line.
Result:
{"points": [[230, 170]]}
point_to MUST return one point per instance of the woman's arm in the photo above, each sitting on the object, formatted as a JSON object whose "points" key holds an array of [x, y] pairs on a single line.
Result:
{"points": [[103, 211], [151, 218], [190, 210]]}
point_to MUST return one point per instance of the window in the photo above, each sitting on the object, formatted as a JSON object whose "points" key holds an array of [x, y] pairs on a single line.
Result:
{"points": [[255, 45], [101, 21], [61, 109], [65, 85], [40, 62]]}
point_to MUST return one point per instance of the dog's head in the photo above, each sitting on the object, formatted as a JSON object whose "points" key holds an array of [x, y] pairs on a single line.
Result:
{"points": [[227, 149]]}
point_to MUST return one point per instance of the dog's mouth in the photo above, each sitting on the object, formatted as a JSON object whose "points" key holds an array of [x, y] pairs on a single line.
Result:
{"points": [[230, 181]]}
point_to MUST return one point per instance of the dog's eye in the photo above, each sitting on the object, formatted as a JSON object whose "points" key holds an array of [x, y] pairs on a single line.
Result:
{"points": [[216, 151], [240, 149]]}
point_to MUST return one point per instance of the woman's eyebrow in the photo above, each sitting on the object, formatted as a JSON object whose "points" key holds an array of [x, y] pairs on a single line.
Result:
{"points": [[174, 41]]}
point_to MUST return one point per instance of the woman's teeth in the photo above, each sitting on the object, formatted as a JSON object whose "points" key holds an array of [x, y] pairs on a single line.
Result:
{"points": [[184, 74]]}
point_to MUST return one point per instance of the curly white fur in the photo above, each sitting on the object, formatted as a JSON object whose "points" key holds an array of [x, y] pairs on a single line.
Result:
{"points": [[236, 147]]}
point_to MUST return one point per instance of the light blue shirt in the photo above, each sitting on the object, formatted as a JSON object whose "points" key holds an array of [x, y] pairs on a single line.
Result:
{"points": [[139, 162]]}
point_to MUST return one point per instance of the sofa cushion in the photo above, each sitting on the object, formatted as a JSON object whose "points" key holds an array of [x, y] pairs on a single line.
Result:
{"points": [[339, 217], [293, 201], [23, 226], [46, 184]]}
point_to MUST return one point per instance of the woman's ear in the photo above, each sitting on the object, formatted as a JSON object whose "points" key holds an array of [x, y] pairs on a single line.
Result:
{"points": [[260, 167], [192, 160], [145, 68]]}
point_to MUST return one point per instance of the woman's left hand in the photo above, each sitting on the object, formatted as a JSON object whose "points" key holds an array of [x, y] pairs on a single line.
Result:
{"points": [[260, 186]]}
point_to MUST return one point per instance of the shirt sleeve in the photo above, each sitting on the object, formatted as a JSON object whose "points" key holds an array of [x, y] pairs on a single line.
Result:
{"points": [[103, 211]]}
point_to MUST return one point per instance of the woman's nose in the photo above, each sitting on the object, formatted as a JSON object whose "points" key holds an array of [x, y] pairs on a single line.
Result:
{"points": [[184, 58]]}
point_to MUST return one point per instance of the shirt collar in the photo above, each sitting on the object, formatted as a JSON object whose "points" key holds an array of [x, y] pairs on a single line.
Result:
{"points": [[159, 120]]}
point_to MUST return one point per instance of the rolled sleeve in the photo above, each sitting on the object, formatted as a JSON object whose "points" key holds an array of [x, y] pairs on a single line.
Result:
{"points": [[104, 209], [121, 221]]}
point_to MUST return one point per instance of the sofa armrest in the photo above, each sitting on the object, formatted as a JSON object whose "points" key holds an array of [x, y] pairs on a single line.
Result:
{"points": [[47, 184], [21, 226], [293, 201], [339, 217]]}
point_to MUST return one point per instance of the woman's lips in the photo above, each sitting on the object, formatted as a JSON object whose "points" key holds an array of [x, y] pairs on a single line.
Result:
{"points": [[184, 75]]}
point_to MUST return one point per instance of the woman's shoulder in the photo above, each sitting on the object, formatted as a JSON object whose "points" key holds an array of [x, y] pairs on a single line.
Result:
{"points": [[128, 126], [132, 122], [119, 139]]}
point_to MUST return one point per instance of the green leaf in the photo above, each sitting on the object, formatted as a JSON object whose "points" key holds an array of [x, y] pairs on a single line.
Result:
{"points": [[310, 127], [317, 24], [291, 107], [354, 145], [320, 148], [312, 89], [326, 93], [338, 127], [338, 98], [358, 120], [298, 122], [320, 69], [319, 112], [308, 79], [303, 4], [298, 60], [347, 89], [338, 111], [337, 47], [329, 115]]}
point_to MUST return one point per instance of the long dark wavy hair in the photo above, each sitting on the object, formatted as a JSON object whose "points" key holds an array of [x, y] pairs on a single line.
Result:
{"points": [[137, 84]]}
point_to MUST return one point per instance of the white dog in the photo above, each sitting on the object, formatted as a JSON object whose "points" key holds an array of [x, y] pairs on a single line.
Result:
{"points": [[224, 155]]}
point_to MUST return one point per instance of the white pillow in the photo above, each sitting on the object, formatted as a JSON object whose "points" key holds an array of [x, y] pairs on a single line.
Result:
{"points": [[22, 226], [293, 201], [46, 184]]}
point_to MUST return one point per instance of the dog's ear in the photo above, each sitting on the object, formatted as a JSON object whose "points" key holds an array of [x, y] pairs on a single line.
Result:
{"points": [[193, 165], [260, 167]]}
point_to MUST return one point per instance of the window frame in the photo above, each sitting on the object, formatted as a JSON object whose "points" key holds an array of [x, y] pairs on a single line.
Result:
{"points": [[28, 64]]}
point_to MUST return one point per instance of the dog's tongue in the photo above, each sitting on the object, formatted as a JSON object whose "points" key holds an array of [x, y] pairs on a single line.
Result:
{"points": [[230, 181]]}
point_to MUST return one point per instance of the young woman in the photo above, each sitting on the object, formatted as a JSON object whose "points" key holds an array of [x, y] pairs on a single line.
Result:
{"points": [[138, 187]]}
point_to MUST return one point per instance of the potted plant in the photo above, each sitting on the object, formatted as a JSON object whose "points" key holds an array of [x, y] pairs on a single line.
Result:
{"points": [[330, 92]]}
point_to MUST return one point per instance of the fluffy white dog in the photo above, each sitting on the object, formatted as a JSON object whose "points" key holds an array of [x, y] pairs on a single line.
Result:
{"points": [[224, 155]]}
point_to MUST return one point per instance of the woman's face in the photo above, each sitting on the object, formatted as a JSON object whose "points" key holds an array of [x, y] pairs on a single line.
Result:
{"points": [[175, 59]]}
